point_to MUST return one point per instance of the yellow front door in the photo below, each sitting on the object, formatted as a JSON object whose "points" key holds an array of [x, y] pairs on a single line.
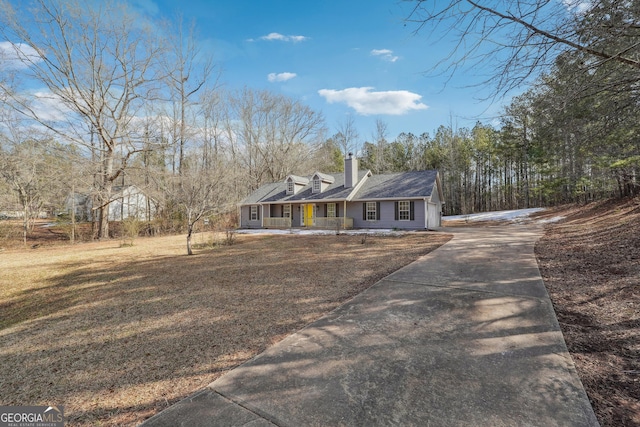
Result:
{"points": [[308, 215]]}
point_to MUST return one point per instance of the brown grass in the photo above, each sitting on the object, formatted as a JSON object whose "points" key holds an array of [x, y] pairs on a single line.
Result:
{"points": [[116, 334], [590, 263]]}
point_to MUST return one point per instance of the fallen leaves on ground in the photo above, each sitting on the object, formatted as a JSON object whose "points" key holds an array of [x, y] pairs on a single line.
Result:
{"points": [[590, 263]]}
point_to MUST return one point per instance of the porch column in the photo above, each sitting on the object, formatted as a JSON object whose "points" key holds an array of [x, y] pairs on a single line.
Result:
{"points": [[344, 216]]}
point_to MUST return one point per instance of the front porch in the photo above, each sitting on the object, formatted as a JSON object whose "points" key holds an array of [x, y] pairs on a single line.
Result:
{"points": [[342, 223]]}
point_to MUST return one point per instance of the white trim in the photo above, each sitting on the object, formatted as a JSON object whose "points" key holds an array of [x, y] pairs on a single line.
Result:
{"points": [[357, 187], [389, 199], [426, 214]]}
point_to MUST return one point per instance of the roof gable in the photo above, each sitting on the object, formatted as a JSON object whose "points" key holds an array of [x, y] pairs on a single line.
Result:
{"points": [[300, 180], [329, 179]]}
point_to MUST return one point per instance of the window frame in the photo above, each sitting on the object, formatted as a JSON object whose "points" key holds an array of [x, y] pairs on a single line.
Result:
{"points": [[331, 210], [291, 186], [286, 211], [253, 213], [404, 210], [316, 185], [371, 211]]}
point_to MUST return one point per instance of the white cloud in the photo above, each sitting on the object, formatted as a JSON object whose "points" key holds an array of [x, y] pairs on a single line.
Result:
{"points": [[579, 7], [385, 54], [281, 37], [49, 107], [148, 6], [280, 77], [18, 56], [365, 101]]}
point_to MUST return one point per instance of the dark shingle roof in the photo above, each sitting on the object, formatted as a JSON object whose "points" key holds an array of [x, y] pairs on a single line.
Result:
{"points": [[412, 184], [416, 184]]}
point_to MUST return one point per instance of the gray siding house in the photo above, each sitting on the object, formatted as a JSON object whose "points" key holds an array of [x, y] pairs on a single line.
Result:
{"points": [[353, 199]]}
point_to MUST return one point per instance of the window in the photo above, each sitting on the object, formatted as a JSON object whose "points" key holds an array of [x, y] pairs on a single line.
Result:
{"points": [[286, 211], [290, 186], [404, 210], [371, 211], [254, 213], [331, 210], [316, 185]]}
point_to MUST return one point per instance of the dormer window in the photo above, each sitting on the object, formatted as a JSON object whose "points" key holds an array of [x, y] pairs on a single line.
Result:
{"points": [[320, 182], [295, 183]]}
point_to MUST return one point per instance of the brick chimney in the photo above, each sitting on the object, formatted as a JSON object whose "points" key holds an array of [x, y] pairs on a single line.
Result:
{"points": [[350, 171]]}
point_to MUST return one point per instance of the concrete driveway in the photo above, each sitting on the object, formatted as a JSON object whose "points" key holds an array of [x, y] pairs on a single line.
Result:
{"points": [[464, 336]]}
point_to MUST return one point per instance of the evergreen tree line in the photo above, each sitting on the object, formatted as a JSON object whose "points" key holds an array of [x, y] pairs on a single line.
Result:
{"points": [[572, 137]]}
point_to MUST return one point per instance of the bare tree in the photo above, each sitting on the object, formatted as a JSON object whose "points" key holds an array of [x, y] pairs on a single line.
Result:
{"points": [[522, 38], [199, 191], [380, 138], [194, 195], [22, 170], [274, 134], [98, 62], [34, 167], [188, 70], [347, 136], [213, 112]]}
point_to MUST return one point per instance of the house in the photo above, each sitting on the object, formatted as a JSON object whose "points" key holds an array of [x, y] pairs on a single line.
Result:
{"points": [[126, 202], [353, 199], [131, 202], [81, 204]]}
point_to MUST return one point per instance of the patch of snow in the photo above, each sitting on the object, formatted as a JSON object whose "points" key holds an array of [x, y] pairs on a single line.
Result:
{"points": [[512, 215], [549, 220]]}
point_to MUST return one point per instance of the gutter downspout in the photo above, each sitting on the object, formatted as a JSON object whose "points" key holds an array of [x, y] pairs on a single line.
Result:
{"points": [[426, 214]]}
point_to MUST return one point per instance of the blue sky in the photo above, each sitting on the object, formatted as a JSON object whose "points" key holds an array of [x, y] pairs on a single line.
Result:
{"points": [[349, 59], [345, 58]]}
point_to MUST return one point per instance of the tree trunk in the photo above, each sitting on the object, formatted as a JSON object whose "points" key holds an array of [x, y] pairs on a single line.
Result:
{"points": [[25, 223], [107, 184], [189, 233]]}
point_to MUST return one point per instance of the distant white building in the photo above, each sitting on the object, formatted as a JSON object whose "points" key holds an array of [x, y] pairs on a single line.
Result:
{"points": [[126, 202]]}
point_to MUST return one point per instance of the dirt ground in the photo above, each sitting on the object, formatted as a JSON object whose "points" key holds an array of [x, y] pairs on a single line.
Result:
{"points": [[116, 333], [590, 263], [119, 333]]}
